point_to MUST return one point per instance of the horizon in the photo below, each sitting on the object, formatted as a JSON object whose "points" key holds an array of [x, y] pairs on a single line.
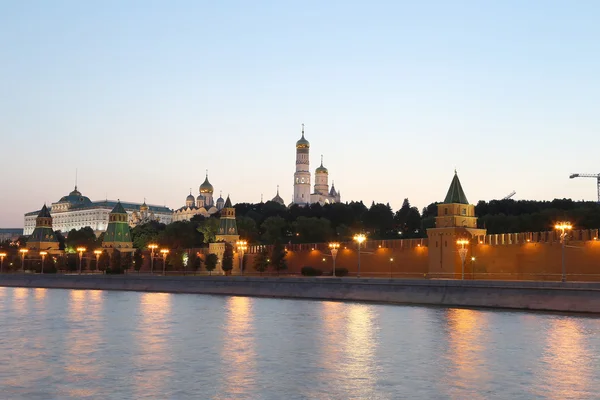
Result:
{"points": [[142, 98]]}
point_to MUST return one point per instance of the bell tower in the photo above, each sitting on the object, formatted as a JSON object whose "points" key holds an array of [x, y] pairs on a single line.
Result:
{"points": [[455, 220], [302, 174]]}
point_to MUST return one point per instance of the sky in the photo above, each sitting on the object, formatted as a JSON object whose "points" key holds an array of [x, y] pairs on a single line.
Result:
{"points": [[141, 97]]}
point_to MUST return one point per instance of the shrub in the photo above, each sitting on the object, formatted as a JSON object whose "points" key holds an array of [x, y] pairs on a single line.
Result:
{"points": [[311, 271], [341, 272]]}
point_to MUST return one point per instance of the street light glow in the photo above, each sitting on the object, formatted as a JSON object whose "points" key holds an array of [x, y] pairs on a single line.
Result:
{"points": [[164, 251], [23, 251], [43, 253], [97, 252], [334, 245], [563, 226], [81, 249], [462, 242], [153, 246], [359, 238]]}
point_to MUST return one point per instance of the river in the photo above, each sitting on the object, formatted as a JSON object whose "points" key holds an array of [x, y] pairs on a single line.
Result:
{"points": [[90, 344]]}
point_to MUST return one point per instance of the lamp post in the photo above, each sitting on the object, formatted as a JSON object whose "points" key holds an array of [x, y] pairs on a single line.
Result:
{"points": [[164, 253], [359, 238], [242, 245], [152, 247], [391, 263], [563, 227], [80, 250], [97, 253], [334, 246], [2, 255], [463, 254], [43, 254], [23, 253]]}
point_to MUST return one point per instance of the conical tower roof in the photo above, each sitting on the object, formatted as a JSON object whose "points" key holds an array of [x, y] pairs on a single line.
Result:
{"points": [[228, 203], [455, 192], [44, 212], [118, 209]]}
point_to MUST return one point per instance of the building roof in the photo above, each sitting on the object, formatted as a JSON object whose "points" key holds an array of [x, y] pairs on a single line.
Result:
{"points": [[110, 204], [118, 209], [455, 192], [206, 187], [321, 169], [227, 203], [302, 142], [277, 198], [75, 198], [44, 213]]}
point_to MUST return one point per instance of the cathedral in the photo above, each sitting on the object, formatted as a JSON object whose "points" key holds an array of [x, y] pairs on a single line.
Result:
{"points": [[202, 205], [302, 193]]}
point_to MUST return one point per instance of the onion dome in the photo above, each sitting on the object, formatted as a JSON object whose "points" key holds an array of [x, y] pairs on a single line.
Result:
{"points": [[322, 169], [190, 197], [220, 200], [302, 143], [75, 192], [206, 187], [277, 198], [200, 197]]}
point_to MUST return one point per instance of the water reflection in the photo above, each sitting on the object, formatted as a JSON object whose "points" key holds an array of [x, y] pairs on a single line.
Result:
{"points": [[567, 371], [81, 351], [466, 345], [238, 348], [151, 337], [39, 293]]}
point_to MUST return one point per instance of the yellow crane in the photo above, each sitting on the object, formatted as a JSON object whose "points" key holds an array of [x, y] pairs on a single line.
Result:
{"points": [[597, 176]]}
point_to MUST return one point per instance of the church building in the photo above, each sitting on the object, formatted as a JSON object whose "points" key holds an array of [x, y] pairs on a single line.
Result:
{"points": [[202, 205], [302, 193]]}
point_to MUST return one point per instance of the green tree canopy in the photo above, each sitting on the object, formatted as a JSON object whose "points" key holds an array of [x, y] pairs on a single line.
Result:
{"points": [[273, 229], [261, 261], [313, 230], [211, 262], [209, 228], [227, 263]]}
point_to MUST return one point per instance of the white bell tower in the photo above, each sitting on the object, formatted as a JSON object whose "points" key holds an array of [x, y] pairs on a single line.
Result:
{"points": [[302, 174]]}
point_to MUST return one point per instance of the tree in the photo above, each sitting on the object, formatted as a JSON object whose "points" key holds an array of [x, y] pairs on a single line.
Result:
{"points": [[103, 261], [194, 261], [61, 240], [138, 260], [115, 262], [273, 229], [72, 262], [126, 261], [261, 262], [175, 259], [211, 262], [278, 258], [227, 263], [84, 237], [61, 263], [144, 234], [379, 219], [313, 230], [247, 228], [209, 228], [408, 220]]}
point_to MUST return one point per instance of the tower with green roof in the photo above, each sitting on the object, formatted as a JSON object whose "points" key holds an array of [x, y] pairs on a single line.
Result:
{"points": [[227, 227], [118, 235], [455, 220], [43, 238]]}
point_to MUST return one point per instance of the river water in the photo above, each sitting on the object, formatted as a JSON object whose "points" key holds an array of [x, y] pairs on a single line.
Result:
{"points": [[74, 344]]}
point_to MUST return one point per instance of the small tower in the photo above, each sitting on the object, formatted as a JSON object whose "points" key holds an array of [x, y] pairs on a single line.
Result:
{"points": [[455, 220], [302, 174], [189, 200], [206, 190], [277, 198], [43, 237], [220, 202], [117, 234], [322, 180], [227, 228]]}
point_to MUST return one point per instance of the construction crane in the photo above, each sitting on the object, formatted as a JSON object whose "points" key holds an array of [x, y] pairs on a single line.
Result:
{"points": [[508, 196], [597, 176]]}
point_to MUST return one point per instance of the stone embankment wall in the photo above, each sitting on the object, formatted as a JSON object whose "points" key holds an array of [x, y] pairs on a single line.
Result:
{"points": [[548, 296]]}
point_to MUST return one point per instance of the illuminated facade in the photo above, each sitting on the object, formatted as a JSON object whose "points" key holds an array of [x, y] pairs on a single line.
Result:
{"points": [[202, 205], [76, 211], [302, 194]]}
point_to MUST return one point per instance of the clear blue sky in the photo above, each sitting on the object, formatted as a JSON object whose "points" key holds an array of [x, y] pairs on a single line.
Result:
{"points": [[143, 96]]}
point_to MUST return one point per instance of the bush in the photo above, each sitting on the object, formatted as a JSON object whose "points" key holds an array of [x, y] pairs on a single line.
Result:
{"points": [[341, 272], [311, 271]]}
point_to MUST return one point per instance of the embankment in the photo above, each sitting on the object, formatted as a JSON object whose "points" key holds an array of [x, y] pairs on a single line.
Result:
{"points": [[547, 296]]}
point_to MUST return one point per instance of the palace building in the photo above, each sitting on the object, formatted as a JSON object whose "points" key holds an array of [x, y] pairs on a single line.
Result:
{"points": [[302, 193], [76, 211]]}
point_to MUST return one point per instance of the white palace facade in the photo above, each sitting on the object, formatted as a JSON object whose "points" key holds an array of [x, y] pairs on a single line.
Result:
{"points": [[76, 211]]}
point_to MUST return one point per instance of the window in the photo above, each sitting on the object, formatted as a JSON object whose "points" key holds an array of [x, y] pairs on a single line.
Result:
{"points": [[445, 211], [464, 211]]}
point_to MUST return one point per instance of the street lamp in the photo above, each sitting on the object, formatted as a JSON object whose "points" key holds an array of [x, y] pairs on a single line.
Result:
{"points": [[563, 227], [2, 255], [80, 250], [463, 254], [23, 253], [334, 246], [97, 253], [43, 254], [359, 238], [242, 245], [391, 263], [164, 252], [152, 247]]}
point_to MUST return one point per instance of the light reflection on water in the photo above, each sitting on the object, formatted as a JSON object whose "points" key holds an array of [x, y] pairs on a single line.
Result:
{"points": [[68, 344]]}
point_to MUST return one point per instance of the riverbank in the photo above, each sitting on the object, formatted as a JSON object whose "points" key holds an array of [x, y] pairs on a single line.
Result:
{"points": [[542, 296]]}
